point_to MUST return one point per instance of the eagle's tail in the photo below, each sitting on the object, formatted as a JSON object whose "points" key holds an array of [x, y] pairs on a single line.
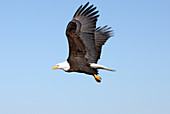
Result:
{"points": [[97, 66]]}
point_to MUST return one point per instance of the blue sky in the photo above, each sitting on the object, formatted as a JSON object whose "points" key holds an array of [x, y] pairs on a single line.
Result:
{"points": [[32, 41]]}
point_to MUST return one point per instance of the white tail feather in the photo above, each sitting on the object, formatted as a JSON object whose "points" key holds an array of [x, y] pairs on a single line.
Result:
{"points": [[97, 66]]}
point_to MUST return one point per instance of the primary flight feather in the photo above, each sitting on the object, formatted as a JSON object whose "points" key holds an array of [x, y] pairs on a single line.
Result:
{"points": [[85, 42]]}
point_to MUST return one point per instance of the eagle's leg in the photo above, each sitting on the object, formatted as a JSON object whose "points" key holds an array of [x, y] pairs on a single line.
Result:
{"points": [[97, 78]]}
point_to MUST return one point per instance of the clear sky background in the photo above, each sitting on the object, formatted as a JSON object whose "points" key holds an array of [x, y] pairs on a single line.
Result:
{"points": [[32, 41]]}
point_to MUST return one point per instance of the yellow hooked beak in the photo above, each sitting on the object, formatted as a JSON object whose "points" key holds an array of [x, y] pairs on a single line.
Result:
{"points": [[55, 67]]}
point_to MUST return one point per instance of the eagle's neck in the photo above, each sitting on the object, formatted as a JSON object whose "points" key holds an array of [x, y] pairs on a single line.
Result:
{"points": [[65, 65]]}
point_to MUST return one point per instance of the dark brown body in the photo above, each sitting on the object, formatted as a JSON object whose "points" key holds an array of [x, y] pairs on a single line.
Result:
{"points": [[76, 59]]}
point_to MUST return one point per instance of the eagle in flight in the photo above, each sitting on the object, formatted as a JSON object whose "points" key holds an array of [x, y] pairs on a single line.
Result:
{"points": [[85, 42]]}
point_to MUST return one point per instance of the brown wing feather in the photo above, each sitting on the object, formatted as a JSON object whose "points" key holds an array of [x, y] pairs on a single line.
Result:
{"points": [[89, 39], [101, 36], [77, 52], [85, 19]]}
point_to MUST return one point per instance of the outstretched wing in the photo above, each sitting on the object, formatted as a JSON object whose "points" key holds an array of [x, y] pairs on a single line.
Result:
{"points": [[101, 36], [81, 33]]}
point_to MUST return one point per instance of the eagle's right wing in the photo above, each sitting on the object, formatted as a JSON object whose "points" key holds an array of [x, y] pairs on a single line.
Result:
{"points": [[85, 20]]}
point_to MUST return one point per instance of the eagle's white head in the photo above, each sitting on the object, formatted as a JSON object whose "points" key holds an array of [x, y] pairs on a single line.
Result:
{"points": [[64, 65]]}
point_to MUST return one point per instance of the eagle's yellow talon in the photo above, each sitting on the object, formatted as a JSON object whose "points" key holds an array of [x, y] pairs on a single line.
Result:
{"points": [[97, 78]]}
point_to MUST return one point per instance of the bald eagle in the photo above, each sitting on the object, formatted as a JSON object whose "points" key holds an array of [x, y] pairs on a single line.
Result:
{"points": [[85, 42]]}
